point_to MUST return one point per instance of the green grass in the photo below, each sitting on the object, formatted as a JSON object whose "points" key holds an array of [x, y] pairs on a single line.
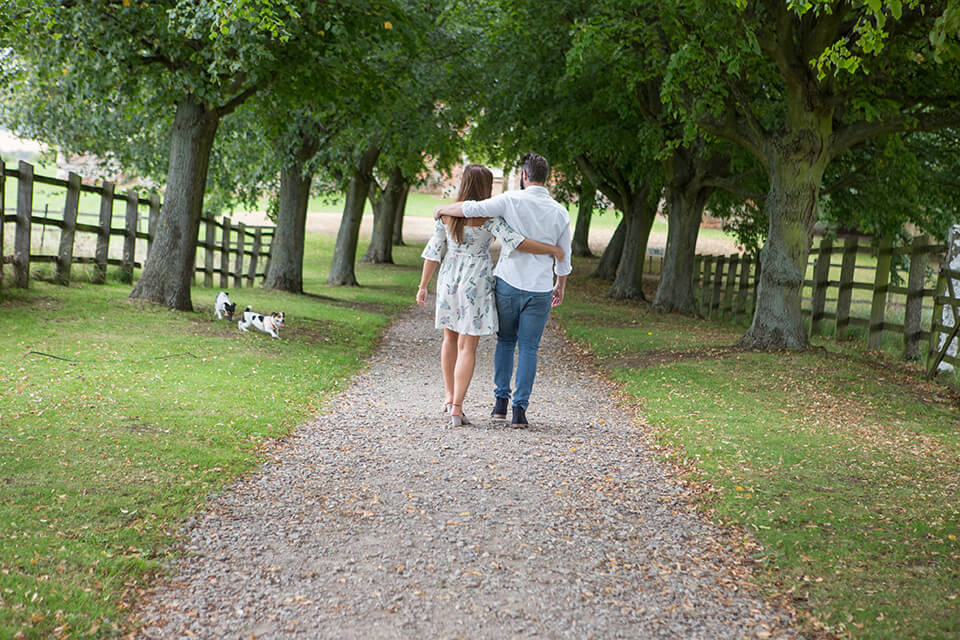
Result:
{"points": [[843, 465], [119, 418]]}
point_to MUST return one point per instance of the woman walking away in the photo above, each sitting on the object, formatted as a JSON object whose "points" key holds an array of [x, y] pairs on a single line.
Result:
{"points": [[466, 308]]}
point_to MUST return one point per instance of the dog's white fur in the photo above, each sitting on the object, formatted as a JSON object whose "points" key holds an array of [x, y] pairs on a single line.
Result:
{"points": [[268, 324], [223, 306]]}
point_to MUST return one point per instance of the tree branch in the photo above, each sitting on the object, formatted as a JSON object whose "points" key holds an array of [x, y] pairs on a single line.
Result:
{"points": [[857, 132], [733, 186], [597, 178], [731, 129], [237, 100]]}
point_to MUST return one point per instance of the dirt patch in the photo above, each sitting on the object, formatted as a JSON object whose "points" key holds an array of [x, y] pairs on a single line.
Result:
{"points": [[370, 307], [657, 357], [33, 303]]}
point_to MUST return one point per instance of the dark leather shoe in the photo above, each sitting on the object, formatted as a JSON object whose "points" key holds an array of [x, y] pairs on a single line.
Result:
{"points": [[519, 420], [499, 409]]}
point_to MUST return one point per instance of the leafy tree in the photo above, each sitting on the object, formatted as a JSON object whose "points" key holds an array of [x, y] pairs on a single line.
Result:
{"points": [[797, 84], [632, 44], [136, 60], [405, 109], [530, 102]]}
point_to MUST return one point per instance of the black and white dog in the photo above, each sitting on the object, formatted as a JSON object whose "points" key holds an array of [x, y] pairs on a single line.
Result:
{"points": [[268, 324], [223, 307]]}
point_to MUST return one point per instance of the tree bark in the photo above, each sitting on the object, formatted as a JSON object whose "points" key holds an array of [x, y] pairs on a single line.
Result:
{"points": [[168, 272], [639, 215], [398, 216], [384, 205], [796, 173], [684, 214], [581, 233], [342, 269], [607, 267], [285, 272]]}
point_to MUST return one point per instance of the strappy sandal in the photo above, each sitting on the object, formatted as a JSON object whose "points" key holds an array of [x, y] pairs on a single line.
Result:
{"points": [[458, 421], [445, 408]]}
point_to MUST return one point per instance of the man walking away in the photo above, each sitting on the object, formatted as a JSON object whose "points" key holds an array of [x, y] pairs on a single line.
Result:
{"points": [[525, 288]]}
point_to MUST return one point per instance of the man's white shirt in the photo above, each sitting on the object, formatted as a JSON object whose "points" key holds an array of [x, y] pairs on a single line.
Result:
{"points": [[532, 213]]}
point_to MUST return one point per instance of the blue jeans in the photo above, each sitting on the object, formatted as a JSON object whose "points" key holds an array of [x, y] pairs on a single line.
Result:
{"points": [[523, 315]]}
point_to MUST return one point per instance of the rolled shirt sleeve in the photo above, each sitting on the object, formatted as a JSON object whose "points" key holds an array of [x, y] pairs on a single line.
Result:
{"points": [[437, 247], [564, 267], [509, 238]]}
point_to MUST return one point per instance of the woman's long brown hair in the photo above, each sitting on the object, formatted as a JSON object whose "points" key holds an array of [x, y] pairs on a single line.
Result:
{"points": [[476, 183]]}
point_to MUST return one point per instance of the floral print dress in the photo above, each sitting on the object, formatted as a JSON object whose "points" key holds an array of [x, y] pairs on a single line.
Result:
{"points": [[465, 284]]}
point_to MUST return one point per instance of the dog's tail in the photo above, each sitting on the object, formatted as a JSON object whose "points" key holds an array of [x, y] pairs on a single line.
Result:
{"points": [[248, 307]]}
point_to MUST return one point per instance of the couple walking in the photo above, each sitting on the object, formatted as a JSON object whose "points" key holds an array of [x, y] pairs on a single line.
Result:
{"points": [[512, 300]]}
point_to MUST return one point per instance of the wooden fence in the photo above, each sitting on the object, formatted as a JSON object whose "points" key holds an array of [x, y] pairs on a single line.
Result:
{"points": [[242, 250], [860, 290]]}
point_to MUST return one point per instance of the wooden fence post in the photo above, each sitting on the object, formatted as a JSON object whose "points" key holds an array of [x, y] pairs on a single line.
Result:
{"points": [[21, 236], [913, 314], [705, 289], [241, 241], [845, 290], [717, 285], [225, 254], [732, 263], [209, 243], [130, 235], [821, 280], [103, 234], [266, 248], [743, 286], [154, 216], [881, 283], [255, 251], [69, 229], [3, 212], [936, 321]]}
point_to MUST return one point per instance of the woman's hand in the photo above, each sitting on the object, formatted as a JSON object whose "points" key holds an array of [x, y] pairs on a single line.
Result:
{"points": [[557, 253], [422, 296]]}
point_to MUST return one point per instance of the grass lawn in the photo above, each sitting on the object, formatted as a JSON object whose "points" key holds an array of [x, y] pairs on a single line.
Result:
{"points": [[844, 465], [119, 418]]}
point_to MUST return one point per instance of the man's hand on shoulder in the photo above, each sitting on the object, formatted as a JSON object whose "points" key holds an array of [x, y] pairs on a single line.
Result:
{"points": [[454, 209]]}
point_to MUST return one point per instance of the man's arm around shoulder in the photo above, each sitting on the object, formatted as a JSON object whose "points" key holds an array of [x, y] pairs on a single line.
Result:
{"points": [[491, 208]]}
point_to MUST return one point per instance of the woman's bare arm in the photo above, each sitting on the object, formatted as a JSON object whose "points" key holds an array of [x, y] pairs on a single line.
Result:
{"points": [[539, 248], [429, 268]]}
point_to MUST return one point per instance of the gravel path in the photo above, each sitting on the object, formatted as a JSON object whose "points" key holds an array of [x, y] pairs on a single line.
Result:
{"points": [[379, 520]]}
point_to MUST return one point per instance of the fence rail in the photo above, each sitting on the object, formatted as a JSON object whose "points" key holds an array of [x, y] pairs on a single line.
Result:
{"points": [[913, 309], [245, 248]]}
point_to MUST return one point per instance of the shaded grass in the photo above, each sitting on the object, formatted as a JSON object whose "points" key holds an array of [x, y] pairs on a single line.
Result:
{"points": [[842, 463], [119, 418]]}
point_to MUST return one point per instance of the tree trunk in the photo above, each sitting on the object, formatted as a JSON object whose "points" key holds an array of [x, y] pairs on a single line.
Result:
{"points": [[791, 207], [398, 216], [345, 251], [285, 271], [168, 272], [384, 206], [684, 213], [581, 233], [639, 215], [607, 267]]}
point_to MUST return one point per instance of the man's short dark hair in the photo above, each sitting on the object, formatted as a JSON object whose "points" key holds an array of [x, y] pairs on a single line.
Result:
{"points": [[536, 167]]}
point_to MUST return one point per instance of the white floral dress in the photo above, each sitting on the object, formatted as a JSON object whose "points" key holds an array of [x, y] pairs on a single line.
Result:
{"points": [[465, 301]]}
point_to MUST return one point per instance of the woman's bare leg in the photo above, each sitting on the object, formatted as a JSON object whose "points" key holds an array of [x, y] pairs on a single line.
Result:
{"points": [[448, 362], [463, 373]]}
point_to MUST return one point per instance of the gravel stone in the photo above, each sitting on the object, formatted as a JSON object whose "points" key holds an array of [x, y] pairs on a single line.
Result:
{"points": [[380, 520]]}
